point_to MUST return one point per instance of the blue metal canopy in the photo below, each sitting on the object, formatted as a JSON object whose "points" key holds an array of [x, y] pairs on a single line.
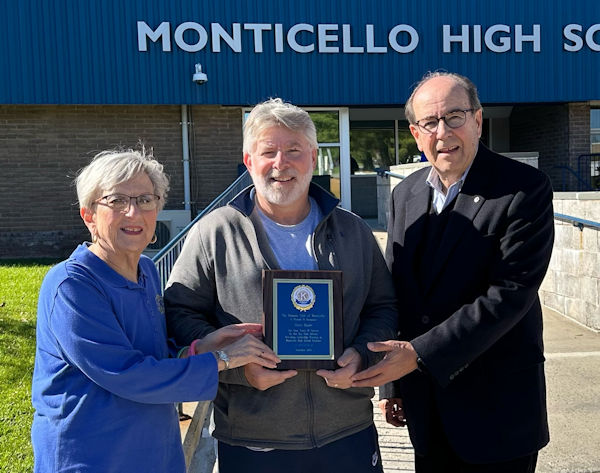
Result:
{"points": [[339, 52]]}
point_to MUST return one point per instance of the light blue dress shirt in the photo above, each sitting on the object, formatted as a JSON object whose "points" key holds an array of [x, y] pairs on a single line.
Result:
{"points": [[441, 200]]}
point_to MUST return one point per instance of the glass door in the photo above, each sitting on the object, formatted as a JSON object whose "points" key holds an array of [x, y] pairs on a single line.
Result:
{"points": [[333, 157], [375, 145]]}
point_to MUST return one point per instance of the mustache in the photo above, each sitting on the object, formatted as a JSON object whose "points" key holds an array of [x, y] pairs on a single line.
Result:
{"points": [[281, 175]]}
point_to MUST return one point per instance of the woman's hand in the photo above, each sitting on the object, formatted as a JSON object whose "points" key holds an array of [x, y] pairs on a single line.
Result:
{"points": [[250, 349], [225, 336], [241, 343]]}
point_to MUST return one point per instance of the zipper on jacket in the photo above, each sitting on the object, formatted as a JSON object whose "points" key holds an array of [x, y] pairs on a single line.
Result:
{"points": [[314, 247], [329, 242]]}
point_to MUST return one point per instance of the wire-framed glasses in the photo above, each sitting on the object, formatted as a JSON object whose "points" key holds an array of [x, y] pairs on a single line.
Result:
{"points": [[122, 202], [453, 119]]}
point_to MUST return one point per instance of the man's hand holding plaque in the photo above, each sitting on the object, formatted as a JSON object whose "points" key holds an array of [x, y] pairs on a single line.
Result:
{"points": [[341, 378], [263, 378]]}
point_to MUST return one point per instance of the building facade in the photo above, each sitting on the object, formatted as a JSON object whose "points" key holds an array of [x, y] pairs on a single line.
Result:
{"points": [[80, 77]]}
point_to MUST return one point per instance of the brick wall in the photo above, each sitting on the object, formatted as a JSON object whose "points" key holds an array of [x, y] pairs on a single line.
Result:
{"points": [[545, 129], [579, 131], [42, 147], [559, 133], [216, 151]]}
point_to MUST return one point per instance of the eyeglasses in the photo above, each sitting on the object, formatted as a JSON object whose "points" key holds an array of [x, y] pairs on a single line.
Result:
{"points": [[122, 202], [453, 119]]}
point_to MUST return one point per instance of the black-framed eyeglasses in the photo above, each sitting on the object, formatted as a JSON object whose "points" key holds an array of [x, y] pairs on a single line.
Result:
{"points": [[453, 119], [122, 202]]}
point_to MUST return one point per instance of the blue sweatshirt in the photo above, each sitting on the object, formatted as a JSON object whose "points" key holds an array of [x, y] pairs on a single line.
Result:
{"points": [[103, 383]]}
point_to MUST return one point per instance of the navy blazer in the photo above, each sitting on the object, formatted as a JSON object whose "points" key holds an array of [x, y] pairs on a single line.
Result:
{"points": [[475, 319]]}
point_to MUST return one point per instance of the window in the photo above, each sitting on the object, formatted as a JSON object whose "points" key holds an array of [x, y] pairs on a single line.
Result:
{"points": [[595, 130], [327, 172]]}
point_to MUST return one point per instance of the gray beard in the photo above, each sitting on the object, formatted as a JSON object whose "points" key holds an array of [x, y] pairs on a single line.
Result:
{"points": [[275, 196]]}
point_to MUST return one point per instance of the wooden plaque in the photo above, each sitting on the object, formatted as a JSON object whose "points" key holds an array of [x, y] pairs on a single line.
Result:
{"points": [[302, 317]]}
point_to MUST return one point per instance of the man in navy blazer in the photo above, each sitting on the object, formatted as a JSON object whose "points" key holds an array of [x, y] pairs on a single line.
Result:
{"points": [[469, 242]]}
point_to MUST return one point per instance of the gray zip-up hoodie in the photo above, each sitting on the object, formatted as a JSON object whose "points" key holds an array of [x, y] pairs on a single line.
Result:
{"points": [[217, 281]]}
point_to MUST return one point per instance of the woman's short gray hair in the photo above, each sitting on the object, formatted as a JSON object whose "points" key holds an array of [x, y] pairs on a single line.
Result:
{"points": [[276, 112], [463, 81], [112, 167]]}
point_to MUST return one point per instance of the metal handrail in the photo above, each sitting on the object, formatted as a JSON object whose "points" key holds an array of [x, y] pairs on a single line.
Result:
{"points": [[384, 173], [166, 257], [577, 222], [584, 186]]}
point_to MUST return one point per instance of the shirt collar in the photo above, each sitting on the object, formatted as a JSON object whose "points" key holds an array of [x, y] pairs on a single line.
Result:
{"points": [[434, 181]]}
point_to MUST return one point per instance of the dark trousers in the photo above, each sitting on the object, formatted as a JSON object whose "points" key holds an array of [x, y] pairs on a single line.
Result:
{"points": [[439, 464], [357, 453], [442, 459]]}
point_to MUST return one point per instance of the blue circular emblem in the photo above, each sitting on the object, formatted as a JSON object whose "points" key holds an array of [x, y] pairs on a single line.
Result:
{"points": [[303, 297]]}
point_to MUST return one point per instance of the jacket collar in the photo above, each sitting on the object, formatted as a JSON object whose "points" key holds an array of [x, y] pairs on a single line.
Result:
{"points": [[244, 203], [96, 265]]}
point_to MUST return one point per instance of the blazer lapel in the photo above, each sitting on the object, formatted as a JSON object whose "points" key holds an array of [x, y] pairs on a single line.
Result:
{"points": [[467, 205], [416, 209]]}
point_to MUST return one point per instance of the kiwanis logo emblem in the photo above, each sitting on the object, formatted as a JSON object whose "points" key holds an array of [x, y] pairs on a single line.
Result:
{"points": [[303, 298]]}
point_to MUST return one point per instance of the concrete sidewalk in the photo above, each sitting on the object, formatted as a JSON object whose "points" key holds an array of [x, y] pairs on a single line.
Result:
{"points": [[573, 388]]}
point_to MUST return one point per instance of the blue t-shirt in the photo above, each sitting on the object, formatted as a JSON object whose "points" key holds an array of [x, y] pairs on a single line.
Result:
{"points": [[103, 385], [292, 244]]}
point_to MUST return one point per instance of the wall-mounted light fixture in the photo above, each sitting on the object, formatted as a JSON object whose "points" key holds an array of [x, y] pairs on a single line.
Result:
{"points": [[199, 76]]}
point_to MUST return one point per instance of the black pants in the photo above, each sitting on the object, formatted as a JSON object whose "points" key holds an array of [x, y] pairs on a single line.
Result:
{"points": [[357, 453], [436, 464], [442, 459]]}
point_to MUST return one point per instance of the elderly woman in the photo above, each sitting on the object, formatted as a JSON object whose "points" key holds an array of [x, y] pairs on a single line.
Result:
{"points": [[104, 384]]}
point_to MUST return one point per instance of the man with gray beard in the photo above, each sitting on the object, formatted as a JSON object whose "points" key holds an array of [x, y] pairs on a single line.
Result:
{"points": [[285, 420]]}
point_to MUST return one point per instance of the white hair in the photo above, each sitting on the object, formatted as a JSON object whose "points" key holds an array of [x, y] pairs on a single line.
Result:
{"points": [[112, 167], [276, 112]]}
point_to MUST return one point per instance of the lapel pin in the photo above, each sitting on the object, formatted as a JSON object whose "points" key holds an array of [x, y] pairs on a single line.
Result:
{"points": [[476, 199]]}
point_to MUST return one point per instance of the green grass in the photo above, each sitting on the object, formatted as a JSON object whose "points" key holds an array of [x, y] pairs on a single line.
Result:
{"points": [[19, 287]]}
